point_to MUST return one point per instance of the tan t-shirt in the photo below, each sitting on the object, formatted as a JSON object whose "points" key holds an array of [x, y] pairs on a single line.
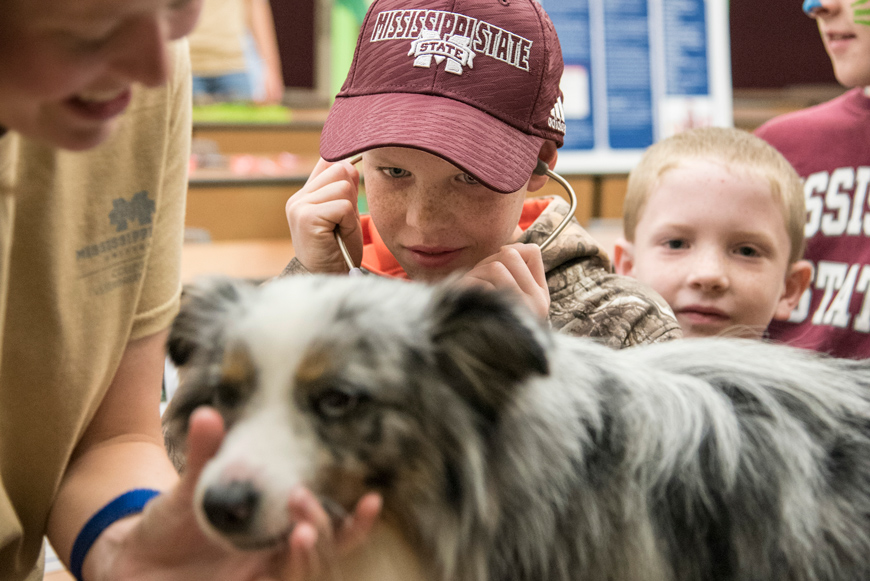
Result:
{"points": [[91, 248], [216, 43]]}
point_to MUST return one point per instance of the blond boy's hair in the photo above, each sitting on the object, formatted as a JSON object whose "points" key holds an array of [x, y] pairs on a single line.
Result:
{"points": [[737, 150]]}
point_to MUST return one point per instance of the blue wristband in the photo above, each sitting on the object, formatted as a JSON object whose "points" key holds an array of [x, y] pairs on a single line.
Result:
{"points": [[128, 503]]}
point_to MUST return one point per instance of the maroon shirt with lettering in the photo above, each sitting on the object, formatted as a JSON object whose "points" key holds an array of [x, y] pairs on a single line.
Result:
{"points": [[829, 146]]}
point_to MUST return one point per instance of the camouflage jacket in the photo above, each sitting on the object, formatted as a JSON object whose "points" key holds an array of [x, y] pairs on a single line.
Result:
{"points": [[586, 297]]}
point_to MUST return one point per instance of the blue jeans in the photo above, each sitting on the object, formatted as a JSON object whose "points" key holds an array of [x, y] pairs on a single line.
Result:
{"points": [[229, 87]]}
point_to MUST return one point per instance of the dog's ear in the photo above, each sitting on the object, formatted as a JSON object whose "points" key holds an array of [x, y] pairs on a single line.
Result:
{"points": [[205, 309], [487, 341]]}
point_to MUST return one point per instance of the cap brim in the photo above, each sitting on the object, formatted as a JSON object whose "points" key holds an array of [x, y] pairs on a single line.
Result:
{"points": [[494, 153]]}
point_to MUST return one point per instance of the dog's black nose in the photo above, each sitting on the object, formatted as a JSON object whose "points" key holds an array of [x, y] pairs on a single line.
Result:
{"points": [[230, 507]]}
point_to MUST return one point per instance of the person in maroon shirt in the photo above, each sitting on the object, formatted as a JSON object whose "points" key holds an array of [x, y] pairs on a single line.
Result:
{"points": [[829, 146]]}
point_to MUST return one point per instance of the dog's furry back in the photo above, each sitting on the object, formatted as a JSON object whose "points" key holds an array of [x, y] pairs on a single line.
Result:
{"points": [[710, 459], [528, 455]]}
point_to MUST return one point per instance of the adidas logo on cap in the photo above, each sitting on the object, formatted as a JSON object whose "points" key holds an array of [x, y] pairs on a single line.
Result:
{"points": [[557, 117]]}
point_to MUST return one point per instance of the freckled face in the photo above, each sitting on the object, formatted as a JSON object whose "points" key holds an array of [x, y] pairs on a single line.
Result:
{"points": [[434, 218], [714, 244], [68, 65]]}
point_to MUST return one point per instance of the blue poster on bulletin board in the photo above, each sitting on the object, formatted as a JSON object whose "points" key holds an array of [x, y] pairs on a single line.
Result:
{"points": [[637, 71]]}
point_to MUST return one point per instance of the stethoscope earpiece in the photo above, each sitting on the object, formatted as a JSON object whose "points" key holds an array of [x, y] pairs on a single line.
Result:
{"points": [[541, 169]]}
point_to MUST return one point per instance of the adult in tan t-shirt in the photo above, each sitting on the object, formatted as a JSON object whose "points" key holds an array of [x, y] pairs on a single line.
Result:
{"points": [[94, 144]]}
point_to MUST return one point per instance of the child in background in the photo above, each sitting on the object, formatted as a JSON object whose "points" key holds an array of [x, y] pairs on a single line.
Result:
{"points": [[452, 105], [829, 146], [714, 221], [223, 60]]}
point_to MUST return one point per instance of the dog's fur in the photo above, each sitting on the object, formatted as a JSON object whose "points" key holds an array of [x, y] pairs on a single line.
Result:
{"points": [[506, 452]]}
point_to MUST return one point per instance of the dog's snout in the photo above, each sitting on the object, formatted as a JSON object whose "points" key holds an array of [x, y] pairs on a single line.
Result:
{"points": [[231, 507]]}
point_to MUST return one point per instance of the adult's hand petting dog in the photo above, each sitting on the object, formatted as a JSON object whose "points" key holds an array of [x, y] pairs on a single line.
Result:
{"points": [[166, 543]]}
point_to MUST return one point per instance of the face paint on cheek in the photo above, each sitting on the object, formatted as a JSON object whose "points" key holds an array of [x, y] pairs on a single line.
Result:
{"points": [[810, 5], [861, 15]]}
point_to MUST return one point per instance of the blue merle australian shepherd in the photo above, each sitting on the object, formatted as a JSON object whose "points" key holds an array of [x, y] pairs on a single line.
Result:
{"points": [[506, 452]]}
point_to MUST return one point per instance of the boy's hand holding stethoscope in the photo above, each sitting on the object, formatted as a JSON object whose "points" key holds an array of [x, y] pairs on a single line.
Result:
{"points": [[325, 209], [325, 227]]}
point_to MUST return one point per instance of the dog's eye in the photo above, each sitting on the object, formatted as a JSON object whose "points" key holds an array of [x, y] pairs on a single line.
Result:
{"points": [[334, 403]]}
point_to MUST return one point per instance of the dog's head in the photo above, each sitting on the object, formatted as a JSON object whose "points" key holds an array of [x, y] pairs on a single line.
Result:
{"points": [[346, 385]]}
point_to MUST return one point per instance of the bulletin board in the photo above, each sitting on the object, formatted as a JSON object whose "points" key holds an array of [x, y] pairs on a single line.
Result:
{"points": [[637, 71]]}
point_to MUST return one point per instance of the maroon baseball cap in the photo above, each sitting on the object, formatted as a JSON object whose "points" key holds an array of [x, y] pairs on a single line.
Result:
{"points": [[475, 82]]}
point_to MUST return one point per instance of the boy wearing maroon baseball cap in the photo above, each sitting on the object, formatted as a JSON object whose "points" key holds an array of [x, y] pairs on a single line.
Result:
{"points": [[451, 104]]}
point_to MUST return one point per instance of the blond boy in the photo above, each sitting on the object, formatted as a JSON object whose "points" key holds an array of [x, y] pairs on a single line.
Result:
{"points": [[714, 221]]}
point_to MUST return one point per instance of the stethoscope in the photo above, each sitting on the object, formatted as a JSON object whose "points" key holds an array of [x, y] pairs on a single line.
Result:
{"points": [[541, 169]]}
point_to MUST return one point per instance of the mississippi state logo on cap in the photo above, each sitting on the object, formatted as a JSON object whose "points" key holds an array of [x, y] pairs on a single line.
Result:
{"points": [[455, 50], [441, 36], [473, 81]]}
